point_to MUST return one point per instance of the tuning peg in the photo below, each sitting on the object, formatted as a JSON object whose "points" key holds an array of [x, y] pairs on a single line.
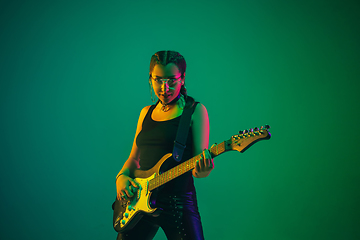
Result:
{"points": [[267, 126], [256, 129], [251, 132], [241, 132], [245, 131]]}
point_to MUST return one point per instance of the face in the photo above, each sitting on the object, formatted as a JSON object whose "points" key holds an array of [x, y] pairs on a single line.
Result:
{"points": [[166, 82]]}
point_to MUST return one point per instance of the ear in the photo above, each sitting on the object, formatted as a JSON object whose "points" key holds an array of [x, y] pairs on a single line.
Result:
{"points": [[150, 82]]}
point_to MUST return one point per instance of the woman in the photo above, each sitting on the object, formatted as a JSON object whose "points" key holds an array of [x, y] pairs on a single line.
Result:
{"points": [[155, 135]]}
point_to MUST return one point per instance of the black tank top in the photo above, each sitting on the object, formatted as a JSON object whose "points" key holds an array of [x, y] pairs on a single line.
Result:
{"points": [[157, 139]]}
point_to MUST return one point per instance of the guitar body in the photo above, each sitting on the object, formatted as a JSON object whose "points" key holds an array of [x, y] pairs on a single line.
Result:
{"points": [[129, 212]]}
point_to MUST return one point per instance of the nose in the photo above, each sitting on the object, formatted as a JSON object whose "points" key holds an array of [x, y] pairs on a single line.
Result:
{"points": [[165, 87]]}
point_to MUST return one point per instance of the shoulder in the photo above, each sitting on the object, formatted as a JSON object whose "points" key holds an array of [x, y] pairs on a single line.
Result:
{"points": [[144, 112], [145, 109], [200, 113], [200, 110]]}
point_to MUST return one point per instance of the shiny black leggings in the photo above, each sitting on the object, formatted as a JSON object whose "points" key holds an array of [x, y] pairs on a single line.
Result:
{"points": [[179, 218]]}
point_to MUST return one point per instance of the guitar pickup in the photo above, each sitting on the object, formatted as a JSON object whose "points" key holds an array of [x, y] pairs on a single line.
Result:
{"points": [[139, 193]]}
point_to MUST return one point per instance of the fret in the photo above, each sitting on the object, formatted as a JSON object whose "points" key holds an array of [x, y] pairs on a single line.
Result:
{"points": [[183, 168]]}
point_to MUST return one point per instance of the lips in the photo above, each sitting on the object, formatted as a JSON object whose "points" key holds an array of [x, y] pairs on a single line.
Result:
{"points": [[166, 95]]}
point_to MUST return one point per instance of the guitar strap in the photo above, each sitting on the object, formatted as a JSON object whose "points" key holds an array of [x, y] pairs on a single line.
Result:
{"points": [[182, 133]]}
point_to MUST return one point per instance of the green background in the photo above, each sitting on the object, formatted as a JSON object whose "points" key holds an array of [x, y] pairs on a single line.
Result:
{"points": [[74, 79]]}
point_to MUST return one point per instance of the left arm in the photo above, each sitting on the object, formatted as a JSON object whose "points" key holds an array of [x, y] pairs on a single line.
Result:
{"points": [[200, 131]]}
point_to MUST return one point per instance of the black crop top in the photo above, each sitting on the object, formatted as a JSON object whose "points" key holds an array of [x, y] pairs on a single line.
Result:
{"points": [[157, 139]]}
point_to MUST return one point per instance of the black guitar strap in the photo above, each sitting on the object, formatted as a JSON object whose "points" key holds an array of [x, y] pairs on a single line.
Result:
{"points": [[182, 133]]}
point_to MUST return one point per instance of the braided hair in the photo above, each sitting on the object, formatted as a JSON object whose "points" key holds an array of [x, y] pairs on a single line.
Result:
{"points": [[166, 57]]}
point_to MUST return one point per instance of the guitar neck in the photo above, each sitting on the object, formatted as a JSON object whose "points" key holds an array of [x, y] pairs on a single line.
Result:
{"points": [[239, 142], [184, 167]]}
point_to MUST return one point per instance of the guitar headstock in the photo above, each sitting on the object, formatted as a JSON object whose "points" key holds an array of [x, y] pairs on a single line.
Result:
{"points": [[242, 141]]}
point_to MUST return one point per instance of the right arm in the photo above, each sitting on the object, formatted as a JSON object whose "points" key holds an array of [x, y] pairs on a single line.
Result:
{"points": [[124, 178]]}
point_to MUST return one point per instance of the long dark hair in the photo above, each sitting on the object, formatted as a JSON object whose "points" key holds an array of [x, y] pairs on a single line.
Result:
{"points": [[166, 57]]}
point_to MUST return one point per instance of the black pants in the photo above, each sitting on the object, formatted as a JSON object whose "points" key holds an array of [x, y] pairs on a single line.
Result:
{"points": [[179, 218]]}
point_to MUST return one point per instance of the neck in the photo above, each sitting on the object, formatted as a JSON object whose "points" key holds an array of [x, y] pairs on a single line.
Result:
{"points": [[165, 107]]}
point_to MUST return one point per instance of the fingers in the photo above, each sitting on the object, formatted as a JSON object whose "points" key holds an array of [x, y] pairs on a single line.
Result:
{"points": [[211, 164], [125, 194], [207, 154], [129, 191], [200, 165], [121, 195], [207, 162], [131, 187], [210, 159], [135, 184], [206, 158], [202, 162], [197, 166]]}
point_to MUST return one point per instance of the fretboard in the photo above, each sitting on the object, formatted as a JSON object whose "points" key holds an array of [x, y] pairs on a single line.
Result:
{"points": [[184, 167]]}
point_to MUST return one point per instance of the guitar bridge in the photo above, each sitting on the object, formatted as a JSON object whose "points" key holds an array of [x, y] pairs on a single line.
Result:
{"points": [[147, 187]]}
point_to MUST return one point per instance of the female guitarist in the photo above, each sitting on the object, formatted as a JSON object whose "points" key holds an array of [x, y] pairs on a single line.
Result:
{"points": [[176, 201]]}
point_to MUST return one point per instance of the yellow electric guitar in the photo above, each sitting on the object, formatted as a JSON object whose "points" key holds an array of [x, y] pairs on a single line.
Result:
{"points": [[128, 212]]}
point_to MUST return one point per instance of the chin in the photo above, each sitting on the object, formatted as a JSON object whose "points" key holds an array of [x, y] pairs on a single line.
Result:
{"points": [[167, 100]]}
